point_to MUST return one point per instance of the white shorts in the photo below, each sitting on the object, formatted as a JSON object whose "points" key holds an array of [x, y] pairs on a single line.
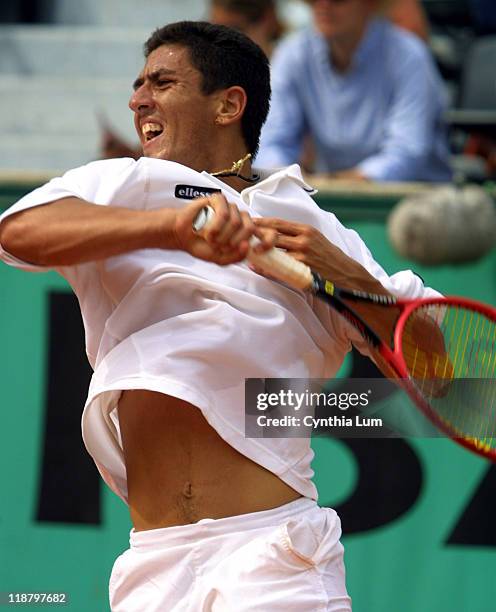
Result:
{"points": [[288, 559]]}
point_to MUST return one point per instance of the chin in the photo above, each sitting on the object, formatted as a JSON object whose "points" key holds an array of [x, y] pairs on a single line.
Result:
{"points": [[327, 30], [155, 153]]}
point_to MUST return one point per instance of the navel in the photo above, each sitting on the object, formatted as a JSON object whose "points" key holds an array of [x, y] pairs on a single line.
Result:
{"points": [[188, 490]]}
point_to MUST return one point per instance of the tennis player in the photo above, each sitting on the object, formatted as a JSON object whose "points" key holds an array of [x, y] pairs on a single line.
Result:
{"points": [[221, 522]]}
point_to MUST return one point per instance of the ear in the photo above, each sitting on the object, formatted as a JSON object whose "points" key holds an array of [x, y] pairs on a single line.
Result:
{"points": [[231, 105]]}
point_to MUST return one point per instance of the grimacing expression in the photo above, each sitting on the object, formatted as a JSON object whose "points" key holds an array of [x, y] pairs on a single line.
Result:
{"points": [[171, 114]]}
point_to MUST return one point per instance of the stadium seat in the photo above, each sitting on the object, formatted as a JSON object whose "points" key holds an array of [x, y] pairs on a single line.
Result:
{"points": [[475, 113]]}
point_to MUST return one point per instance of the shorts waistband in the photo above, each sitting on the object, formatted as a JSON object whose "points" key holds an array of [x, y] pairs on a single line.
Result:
{"points": [[207, 528]]}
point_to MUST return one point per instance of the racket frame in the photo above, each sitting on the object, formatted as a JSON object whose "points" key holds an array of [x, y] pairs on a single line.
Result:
{"points": [[410, 307], [394, 356]]}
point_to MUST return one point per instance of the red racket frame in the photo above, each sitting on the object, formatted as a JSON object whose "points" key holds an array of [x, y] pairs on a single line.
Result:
{"points": [[396, 359]]}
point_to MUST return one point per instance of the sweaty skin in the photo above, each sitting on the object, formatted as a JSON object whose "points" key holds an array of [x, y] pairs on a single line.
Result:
{"points": [[179, 470]]}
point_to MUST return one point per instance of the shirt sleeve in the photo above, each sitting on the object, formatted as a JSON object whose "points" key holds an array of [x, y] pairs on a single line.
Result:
{"points": [[282, 135], [84, 182], [97, 183], [412, 123], [404, 284]]}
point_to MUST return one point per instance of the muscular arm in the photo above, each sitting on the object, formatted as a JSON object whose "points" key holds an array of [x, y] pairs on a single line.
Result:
{"points": [[71, 231], [307, 244]]}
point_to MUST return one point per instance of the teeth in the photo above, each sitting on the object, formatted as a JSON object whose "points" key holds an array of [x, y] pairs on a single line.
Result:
{"points": [[150, 129]]}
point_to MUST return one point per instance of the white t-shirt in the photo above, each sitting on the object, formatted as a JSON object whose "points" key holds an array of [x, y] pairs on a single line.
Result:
{"points": [[165, 321]]}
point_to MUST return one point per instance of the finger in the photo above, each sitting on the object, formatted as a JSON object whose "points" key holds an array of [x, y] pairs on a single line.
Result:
{"points": [[184, 219], [232, 225], [280, 225], [222, 216], [191, 211], [245, 232], [219, 255], [261, 272], [288, 243], [267, 240], [233, 255]]}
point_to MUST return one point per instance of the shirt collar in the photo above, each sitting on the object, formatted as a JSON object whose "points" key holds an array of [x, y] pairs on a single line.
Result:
{"points": [[371, 40], [373, 36], [269, 181]]}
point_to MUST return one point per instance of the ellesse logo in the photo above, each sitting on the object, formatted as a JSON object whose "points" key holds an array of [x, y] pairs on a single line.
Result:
{"points": [[190, 192]]}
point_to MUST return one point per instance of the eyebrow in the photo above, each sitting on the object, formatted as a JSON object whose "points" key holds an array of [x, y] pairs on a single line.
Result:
{"points": [[154, 76]]}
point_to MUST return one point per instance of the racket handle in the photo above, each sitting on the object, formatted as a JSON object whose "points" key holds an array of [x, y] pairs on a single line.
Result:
{"points": [[274, 262]]}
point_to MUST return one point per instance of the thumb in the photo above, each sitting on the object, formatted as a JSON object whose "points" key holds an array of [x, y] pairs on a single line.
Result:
{"points": [[192, 210], [186, 217]]}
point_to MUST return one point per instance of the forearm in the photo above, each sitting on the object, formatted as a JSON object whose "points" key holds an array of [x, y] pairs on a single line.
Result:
{"points": [[382, 320], [308, 245], [71, 231], [357, 277], [352, 174], [393, 166]]}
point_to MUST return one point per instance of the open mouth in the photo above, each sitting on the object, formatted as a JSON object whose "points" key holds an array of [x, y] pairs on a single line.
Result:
{"points": [[151, 131]]}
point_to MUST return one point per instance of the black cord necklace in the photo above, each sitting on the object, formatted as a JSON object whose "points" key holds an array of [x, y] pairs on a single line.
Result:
{"points": [[235, 170]]}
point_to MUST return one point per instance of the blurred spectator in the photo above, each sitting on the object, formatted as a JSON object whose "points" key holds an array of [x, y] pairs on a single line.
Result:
{"points": [[367, 92], [410, 15], [257, 19], [112, 145]]}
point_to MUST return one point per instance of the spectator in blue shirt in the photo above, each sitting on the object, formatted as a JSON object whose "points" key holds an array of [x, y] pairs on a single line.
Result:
{"points": [[367, 92]]}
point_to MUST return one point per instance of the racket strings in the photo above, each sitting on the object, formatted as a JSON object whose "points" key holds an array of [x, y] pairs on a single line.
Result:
{"points": [[450, 353]]}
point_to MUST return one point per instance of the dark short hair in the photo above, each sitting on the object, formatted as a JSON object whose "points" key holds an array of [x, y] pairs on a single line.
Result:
{"points": [[224, 57]]}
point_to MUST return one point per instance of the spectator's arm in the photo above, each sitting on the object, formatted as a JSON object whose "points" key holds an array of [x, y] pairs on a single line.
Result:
{"points": [[411, 125]]}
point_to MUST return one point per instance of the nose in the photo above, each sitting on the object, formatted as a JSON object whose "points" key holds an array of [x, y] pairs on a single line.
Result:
{"points": [[141, 100]]}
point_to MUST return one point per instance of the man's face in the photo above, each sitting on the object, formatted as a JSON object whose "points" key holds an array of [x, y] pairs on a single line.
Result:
{"points": [[174, 119], [337, 18]]}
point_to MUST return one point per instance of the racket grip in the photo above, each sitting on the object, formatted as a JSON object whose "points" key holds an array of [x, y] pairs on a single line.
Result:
{"points": [[275, 263]]}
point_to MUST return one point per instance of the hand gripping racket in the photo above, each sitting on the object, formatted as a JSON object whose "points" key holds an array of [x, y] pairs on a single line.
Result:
{"points": [[441, 350]]}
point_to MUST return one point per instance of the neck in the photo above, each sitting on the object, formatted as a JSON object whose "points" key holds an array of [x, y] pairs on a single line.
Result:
{"points": [[236, 183], [343, 48], [235, 172]]}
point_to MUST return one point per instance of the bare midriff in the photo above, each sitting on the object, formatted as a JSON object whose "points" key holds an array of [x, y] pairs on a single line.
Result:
{"points": [[179, 470]]}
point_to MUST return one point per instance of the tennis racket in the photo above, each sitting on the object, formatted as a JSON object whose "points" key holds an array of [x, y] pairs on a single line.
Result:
{"points": [[442, 351]]}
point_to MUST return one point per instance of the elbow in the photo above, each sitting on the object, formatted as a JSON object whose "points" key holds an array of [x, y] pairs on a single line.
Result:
{"points": [[18, 239], [11, 233]]}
